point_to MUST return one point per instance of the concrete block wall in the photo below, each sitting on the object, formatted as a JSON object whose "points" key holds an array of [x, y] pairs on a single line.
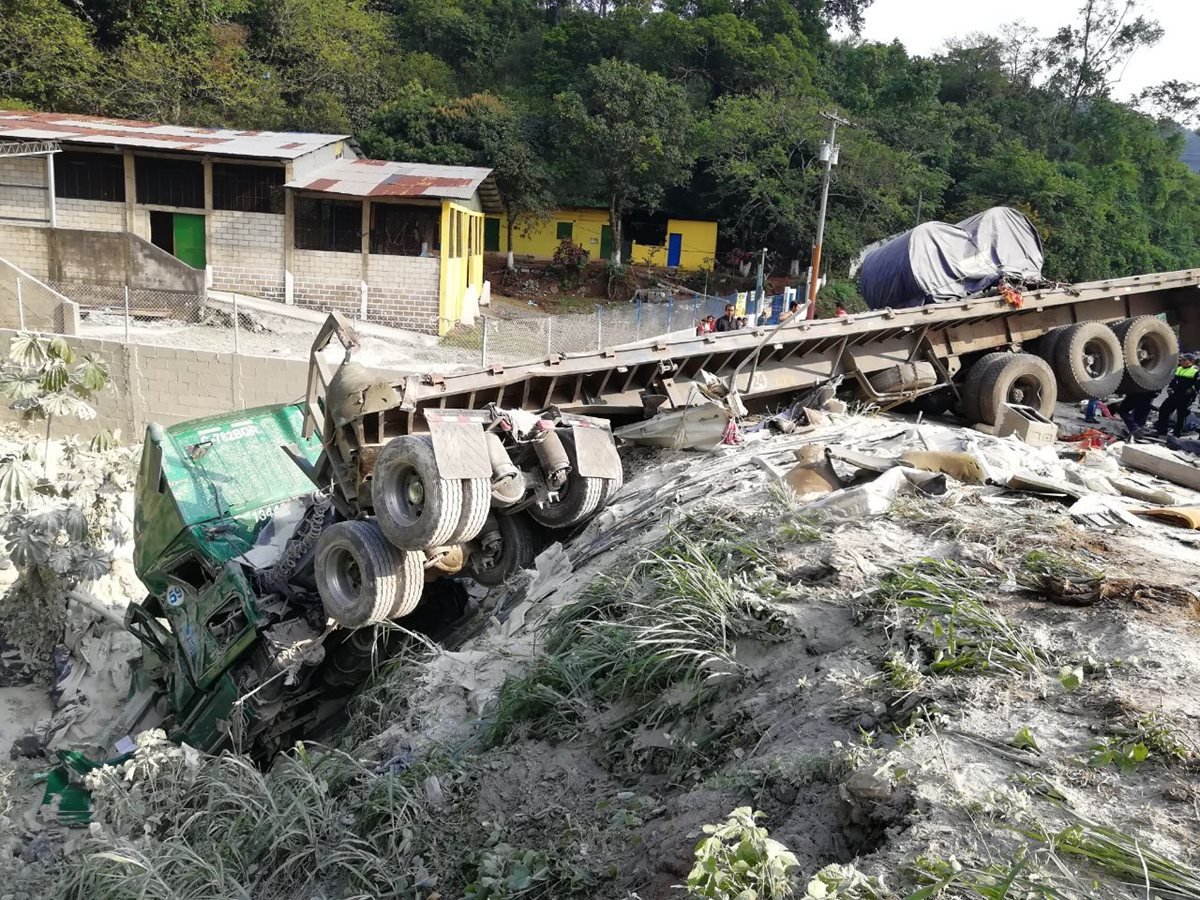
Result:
{"points": [[403, 291], [246, 252], [16, 200], [27, 248], [327, 280], [93, 215], [169, 385]]}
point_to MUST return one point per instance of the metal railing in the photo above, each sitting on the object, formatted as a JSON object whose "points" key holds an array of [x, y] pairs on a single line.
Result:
{"points": [[29, 304]]}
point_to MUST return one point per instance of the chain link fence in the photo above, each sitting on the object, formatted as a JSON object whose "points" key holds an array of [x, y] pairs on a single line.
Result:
{"points": [[513, 335]]}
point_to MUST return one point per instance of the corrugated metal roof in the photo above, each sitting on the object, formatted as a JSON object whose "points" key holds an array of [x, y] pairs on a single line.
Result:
{"points": [[380, 178], [69, 128]]}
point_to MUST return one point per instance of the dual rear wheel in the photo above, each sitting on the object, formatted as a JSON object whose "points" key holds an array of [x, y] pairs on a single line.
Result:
{"points": [[1074, 362]]}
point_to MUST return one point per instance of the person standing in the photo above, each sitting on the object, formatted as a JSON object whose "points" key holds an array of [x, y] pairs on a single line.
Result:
{"points": [[727, 322], [1136, 409], [1180, 394]]}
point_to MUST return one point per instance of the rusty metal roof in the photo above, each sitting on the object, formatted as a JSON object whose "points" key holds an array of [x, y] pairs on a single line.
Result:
{"points": [[75, 129], [380, 179]]}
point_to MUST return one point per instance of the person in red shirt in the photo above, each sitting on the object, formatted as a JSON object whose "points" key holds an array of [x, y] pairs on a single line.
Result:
{"points": [[840, 311]]}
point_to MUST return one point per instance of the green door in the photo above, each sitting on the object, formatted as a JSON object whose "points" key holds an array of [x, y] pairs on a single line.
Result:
{"points": [[605, 241], [491, 235], [565, 231], [189, 240]]}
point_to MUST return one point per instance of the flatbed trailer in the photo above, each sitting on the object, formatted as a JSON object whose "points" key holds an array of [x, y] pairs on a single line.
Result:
{"points": [[422, 455], [613, 383]]}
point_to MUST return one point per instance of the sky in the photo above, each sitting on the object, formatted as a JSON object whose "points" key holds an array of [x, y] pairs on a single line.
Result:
{"points": [[924, 25]]}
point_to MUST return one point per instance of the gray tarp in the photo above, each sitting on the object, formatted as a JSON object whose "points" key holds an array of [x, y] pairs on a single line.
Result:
{"points": [[937, 261]]}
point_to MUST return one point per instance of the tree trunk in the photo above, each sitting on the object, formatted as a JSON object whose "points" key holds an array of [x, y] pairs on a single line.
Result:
{"points": [[509, 260], [615, 206], [46, 449]]}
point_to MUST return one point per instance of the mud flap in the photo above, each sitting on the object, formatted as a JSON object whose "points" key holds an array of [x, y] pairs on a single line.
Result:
{"points": [[460, 449], [595, 452]]}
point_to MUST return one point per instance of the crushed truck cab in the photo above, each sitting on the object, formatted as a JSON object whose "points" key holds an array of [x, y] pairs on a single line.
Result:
{"points": [[226, 519]]}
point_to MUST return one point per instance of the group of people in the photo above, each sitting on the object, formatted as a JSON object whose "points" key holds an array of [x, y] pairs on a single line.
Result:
{"points": [[1137, 405], [730, 321]]}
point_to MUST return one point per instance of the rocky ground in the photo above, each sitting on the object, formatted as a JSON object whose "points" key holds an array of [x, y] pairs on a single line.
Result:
{"points": [[926, 686]]}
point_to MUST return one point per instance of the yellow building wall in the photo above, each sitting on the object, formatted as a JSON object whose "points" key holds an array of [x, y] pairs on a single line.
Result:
{"points": [[698, 246], [461, 277], [542, 241], [699, 239]]}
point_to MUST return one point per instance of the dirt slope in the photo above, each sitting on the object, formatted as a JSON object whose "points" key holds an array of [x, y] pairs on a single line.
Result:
{"points": [[962, 693]]}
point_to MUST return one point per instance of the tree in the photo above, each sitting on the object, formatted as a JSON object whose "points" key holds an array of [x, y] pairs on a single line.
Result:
{"points": [[505, 145], [1172, 101], [629, 130], [1083, 57], [46, 56], [334, 59], [42, 380]]}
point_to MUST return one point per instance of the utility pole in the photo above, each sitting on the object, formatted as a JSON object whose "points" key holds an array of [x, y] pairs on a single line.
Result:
{"points": [[829, 156], [758, 283]]}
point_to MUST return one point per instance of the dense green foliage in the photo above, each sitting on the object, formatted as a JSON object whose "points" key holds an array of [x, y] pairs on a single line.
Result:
{"points": [[708, 108]]}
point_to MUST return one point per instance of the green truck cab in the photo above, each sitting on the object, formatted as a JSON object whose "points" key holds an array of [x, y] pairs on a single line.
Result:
{"points": [[215, 500]]}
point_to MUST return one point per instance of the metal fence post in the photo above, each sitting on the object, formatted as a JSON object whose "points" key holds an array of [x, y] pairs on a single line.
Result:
{"points": [[670, 309], [639, 321], [483, 344], [235, 360], [127, 314], [549, 331], [20, 303], [600, 327]]}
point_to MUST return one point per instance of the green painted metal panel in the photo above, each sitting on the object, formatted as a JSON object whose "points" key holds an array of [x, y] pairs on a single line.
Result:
{"points": [[565, 231], [605, 241], [228, 470], [491, 235], [189, 240]]}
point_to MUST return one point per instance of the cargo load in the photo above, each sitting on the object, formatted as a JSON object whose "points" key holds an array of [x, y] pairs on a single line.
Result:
{"points": [[936, 261]]}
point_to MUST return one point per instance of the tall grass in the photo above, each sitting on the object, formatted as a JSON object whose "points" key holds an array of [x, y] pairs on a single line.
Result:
{"points": [[942, 604], [651, 649], [219, 827]]}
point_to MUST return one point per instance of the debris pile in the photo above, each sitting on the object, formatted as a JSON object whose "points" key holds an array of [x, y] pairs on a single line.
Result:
{"points": [[930, 659]]}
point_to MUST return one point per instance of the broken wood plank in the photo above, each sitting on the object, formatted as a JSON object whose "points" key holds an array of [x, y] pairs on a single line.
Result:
{"points": [[1170, 468]]}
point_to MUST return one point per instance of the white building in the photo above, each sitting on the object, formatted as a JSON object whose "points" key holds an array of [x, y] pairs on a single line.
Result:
{"points": [[300, 218]]}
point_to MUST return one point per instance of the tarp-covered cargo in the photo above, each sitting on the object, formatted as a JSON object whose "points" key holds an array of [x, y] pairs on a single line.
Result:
{"points": [[937, 261]]}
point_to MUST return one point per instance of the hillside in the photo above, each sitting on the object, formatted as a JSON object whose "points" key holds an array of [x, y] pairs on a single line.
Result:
{"points": [[708, 111]]}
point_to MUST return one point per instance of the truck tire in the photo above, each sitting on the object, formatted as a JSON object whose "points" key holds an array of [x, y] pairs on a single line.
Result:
{"points": [[578, 499], [1088, 362], [610, 488], [476, 504], [512, 546], [414, 505], [1021, 379], [1047, 343], [362, 578], [1151, 353], [969, 407]]}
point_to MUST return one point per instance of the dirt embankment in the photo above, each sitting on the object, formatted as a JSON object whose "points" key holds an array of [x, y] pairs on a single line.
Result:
{"points": [[965, 694]]}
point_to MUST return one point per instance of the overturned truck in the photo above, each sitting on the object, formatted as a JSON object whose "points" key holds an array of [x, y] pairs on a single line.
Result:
{"points": [[278, 543]]}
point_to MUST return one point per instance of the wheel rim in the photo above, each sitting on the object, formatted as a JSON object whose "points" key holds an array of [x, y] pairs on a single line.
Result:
{"points": [[406, 503], [1097, 359], [1151, 352], [491, 549], [345, 576], [1026, 391]]}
